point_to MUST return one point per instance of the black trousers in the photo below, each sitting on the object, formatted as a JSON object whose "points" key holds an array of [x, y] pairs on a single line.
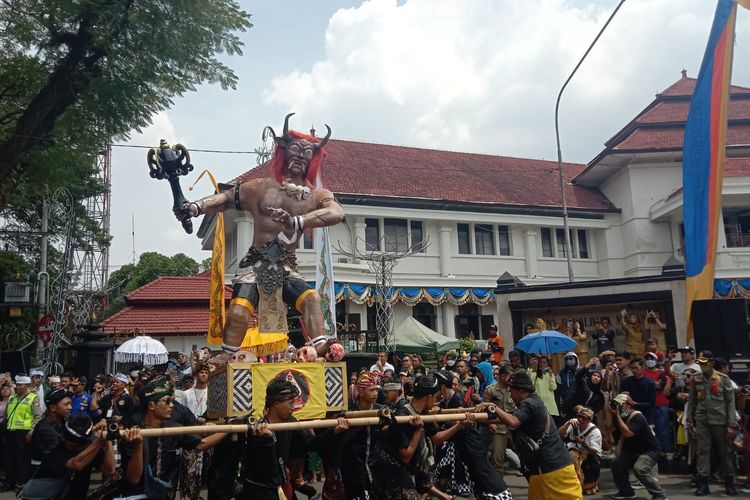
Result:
{"points": [[17, 457], [255, 492]]}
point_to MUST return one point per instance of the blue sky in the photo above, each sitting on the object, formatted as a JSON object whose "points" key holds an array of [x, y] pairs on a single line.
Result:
{"points": [[477, 75]]}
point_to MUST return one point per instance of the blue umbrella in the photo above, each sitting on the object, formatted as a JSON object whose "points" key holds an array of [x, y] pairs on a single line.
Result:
{"points": [[546, 342]]}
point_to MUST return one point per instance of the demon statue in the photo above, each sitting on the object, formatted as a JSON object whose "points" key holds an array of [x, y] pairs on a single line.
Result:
{"points": [[282, 205]]}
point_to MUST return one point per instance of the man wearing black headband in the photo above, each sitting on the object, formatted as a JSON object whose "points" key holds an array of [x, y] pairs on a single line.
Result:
{"points": [[406, 452], [64, 450], [152, 463], [269, 456]]}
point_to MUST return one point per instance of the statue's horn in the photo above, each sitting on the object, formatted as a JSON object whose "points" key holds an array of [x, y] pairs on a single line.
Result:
{"points": [[286, 127], [324, 140]]}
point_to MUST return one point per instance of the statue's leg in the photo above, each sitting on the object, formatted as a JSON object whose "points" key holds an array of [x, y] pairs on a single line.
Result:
{"points": [[243, 304], [312, 314]]}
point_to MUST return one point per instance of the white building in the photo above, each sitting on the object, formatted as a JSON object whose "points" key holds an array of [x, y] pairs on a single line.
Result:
{"points": [[488, 215]]}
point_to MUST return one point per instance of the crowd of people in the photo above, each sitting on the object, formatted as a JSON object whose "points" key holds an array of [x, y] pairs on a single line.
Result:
{"points": [[555, 428]]}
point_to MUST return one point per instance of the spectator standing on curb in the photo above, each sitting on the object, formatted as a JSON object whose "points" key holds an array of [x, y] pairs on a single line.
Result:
{"points": [[663, 387], [641, 390], [23, 412], [711, 416]]}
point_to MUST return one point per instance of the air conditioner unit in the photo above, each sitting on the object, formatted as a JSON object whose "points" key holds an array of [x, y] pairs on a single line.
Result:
{"points": [[343, 260], [18, 292]]}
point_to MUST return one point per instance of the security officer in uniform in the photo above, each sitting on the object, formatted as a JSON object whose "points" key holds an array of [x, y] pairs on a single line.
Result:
{"points": [[499, 395], [712, 419], [22, 414]]}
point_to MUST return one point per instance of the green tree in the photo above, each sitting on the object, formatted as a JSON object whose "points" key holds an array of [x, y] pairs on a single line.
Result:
{"points": [[77, 74], [150, 266]]}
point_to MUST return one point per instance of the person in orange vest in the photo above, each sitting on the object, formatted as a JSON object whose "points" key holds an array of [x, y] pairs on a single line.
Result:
{"points": [[496, 344]]}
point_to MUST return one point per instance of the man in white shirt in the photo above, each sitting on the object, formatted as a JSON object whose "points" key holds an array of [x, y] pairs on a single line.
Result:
{"points": [[687, 354], [381, 365], [195, 397]]}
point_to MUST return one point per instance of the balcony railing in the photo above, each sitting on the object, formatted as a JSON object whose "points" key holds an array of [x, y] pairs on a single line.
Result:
{"points": [[359, 341], [737, 239]]}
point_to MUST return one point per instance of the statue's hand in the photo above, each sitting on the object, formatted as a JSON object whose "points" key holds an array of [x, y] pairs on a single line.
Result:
{"points": [[188, 210], [282, 216]]}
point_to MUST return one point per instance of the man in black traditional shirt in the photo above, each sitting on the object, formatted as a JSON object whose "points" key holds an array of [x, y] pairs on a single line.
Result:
{"points": [[551, 473], [265, 470], [151, 465], [65, 450]]}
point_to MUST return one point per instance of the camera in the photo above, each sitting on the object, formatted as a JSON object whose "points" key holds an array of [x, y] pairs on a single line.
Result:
{"points": [[468, 382], [745, 390], [614, 405]]}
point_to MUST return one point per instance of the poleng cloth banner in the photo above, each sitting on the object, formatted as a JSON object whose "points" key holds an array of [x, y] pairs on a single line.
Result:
{"points": [[309, 378]]}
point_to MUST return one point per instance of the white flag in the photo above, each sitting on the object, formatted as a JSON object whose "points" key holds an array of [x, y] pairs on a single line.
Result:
{"points": [[324, 276]]}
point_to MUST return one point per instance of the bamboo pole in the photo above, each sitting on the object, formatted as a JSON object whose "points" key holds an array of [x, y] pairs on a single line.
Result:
{"points": [[303, 425], [385, 412]]}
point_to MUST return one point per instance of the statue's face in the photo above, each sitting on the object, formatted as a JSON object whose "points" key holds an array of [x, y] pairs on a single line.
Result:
{"points": [[298, 155]]}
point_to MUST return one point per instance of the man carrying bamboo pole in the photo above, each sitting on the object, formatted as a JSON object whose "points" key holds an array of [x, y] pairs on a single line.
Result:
{"points": [[151, 465], [265, 462], [406, 451], [361, 445]]}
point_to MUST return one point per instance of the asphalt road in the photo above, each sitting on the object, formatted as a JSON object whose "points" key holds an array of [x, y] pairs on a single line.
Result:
{"points": [[676, 488]]}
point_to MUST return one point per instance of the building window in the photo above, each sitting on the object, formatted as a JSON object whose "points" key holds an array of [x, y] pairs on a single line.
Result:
{"points": [[467, 321], [417, 235], [372, 234], [484, 239], [425, 314], [504, 234], [583, 244], [307, 241], [553, 244], [464, 241], [560, 240], [396, 235], [547, 242]]}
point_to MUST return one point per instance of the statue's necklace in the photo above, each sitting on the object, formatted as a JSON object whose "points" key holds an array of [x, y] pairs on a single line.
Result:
{"points": [[295, 191]]}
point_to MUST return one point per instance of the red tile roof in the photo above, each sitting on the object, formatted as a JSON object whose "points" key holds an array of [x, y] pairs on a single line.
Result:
{"points": [[165, 319], [672, 138], [660, 126], [686, 86], [182, 289], [170, 305], [380, 170]]}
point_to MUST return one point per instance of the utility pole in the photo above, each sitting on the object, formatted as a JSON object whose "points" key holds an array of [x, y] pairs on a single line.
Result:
{"points": [[568, 246], [43, 277]]}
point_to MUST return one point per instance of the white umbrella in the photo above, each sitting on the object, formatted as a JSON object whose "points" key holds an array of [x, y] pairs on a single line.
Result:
{"points": [[142, 349]]}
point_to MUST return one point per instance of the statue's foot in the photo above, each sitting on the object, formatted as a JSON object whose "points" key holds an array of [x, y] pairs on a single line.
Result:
{"points": [[220, 360]]}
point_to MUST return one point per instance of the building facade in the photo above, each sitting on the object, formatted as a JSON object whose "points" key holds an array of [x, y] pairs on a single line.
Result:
{"points": [[481, 216]]}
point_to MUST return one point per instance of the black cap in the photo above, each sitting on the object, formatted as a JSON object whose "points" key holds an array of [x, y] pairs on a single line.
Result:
{"points": [[521, 381], [687, 348], [56, 396]]}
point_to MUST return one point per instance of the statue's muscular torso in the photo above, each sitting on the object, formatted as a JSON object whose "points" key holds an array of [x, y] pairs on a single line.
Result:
{"points": [[256, 196]]}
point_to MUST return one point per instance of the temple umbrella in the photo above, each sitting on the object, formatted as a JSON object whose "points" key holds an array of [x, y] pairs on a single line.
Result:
{"points": [[545, 342], [142, 349]]}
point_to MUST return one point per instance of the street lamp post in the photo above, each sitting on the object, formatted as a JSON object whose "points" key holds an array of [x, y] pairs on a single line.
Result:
{"points": [[568, 246]]}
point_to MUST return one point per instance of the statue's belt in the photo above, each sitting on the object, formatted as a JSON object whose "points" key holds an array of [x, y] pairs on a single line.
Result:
{"points": [[269, 262]]}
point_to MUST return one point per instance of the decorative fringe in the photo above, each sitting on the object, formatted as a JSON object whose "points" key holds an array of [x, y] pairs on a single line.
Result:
{"points": [[146, 359]]}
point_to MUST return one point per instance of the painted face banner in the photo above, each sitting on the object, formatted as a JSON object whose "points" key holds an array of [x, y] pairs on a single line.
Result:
{"points": [[309, 378]]}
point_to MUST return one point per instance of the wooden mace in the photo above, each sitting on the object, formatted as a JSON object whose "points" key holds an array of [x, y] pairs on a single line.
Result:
{"points": [[307, 424]]}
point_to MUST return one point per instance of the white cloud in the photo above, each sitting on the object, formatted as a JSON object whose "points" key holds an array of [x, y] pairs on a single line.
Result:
{"points": [[483, 75]]}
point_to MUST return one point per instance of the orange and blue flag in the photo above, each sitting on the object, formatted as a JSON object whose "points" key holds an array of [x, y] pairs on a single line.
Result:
{"points": [[703, 156]]}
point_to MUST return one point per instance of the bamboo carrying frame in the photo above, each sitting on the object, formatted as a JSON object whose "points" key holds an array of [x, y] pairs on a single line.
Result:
{"points": [[314, 424]]}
